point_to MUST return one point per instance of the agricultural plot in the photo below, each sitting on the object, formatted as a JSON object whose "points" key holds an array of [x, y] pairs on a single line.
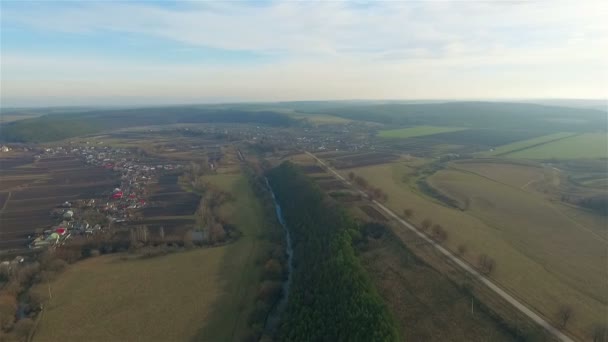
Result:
{"points": [[417, 131], [362, 159], [583, 146], [524, 144], [170, 207], [532, 240], [108, 299], [519, 175], [478, 138]]}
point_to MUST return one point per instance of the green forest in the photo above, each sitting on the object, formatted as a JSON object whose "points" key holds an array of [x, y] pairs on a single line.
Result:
{"points": [[331, 296]]}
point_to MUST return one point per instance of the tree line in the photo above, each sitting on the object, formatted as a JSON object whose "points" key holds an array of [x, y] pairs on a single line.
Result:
{"points": [[331, 297]]}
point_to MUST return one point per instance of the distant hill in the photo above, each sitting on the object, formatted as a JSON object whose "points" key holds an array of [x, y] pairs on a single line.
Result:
{"points": [[505, 115], [64, 123], [58, 126]]}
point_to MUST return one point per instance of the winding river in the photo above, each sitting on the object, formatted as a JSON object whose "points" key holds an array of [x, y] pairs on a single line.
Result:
{"points": [[274, 317]]}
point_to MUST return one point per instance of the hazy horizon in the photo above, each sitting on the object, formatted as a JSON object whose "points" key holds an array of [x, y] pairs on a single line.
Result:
{"points": [[160, 53]]}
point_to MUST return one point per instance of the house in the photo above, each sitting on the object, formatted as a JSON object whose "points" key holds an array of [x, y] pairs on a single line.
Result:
{"points": [[5, 148]]}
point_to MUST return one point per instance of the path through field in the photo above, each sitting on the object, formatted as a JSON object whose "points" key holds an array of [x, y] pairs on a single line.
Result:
{"points": [[465, 266]]}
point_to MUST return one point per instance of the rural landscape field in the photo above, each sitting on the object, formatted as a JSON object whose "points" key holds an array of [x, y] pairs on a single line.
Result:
{"points": [[262, 171], [195, 218]]}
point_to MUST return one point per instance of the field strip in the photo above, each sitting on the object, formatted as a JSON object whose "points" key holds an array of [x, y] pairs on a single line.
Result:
{"points": [[535, 145], [465, 266], [8, 198]]}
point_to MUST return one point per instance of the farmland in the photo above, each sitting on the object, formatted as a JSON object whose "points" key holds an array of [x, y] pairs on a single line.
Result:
{"points": [[106, 298], [524, 144], [416, 131], [30, 189], [588, 145], [204, 294]]}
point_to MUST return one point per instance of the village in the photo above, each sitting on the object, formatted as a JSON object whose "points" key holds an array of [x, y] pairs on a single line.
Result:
{"points": [[85, 217]]}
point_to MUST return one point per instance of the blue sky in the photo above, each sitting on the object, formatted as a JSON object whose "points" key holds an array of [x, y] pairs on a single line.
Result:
{"points": [[176, 52]]}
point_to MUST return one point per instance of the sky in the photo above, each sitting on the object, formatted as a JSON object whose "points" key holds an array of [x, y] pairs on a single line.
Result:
{"points": [[161, 52]]}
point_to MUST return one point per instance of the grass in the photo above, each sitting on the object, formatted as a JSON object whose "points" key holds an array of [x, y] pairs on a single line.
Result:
{"points": [[416, 131], [522, 144], [427, 306], [546, 253], [588, 145], [204, 294]]}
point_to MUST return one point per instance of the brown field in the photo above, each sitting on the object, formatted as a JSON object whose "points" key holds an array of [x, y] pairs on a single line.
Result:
{"points": [[358, 160], [426, 305]]}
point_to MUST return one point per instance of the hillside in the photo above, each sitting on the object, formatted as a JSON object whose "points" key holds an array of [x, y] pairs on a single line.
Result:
{"points": [[64, 125]]}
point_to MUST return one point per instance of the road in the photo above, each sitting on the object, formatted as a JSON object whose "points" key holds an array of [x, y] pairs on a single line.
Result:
{"points": [[465, 266]]}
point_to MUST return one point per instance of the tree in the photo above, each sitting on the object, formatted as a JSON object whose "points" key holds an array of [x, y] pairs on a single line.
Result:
{"points": [[600, 333], [564, 314], [273, 269], [439, 234], [360, 181], [408, 213], [23, 327], [188, 241], [426, 224], [486, 264], [462, 249], [8, 307]]}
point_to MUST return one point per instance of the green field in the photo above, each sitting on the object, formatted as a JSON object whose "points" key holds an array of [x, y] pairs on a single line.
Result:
{"points": [[203, 294], [416, 131], [523, 144], [533, 240], [588, 145]]}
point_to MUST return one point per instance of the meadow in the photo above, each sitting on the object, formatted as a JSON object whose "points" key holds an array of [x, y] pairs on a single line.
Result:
{"points": [[416, 131], [203, 294]]}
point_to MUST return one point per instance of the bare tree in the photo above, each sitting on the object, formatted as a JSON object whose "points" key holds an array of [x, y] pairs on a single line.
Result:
{"points": [[486, 264], [439, 234], [462, 249], [564, 314], [408, 213], [600, 333], [188, 239], [351, 176], [426, 224]]}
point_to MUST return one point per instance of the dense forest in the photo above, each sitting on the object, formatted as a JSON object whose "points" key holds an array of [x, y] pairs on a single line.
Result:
{"points": [[331, 297], [66, 125]]}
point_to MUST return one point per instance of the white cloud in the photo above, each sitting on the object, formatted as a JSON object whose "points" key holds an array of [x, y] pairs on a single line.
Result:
{"points": [[330, 50]]}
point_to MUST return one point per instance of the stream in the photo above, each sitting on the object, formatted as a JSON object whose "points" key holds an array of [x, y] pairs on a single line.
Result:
{"points": [[275, 315]]}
